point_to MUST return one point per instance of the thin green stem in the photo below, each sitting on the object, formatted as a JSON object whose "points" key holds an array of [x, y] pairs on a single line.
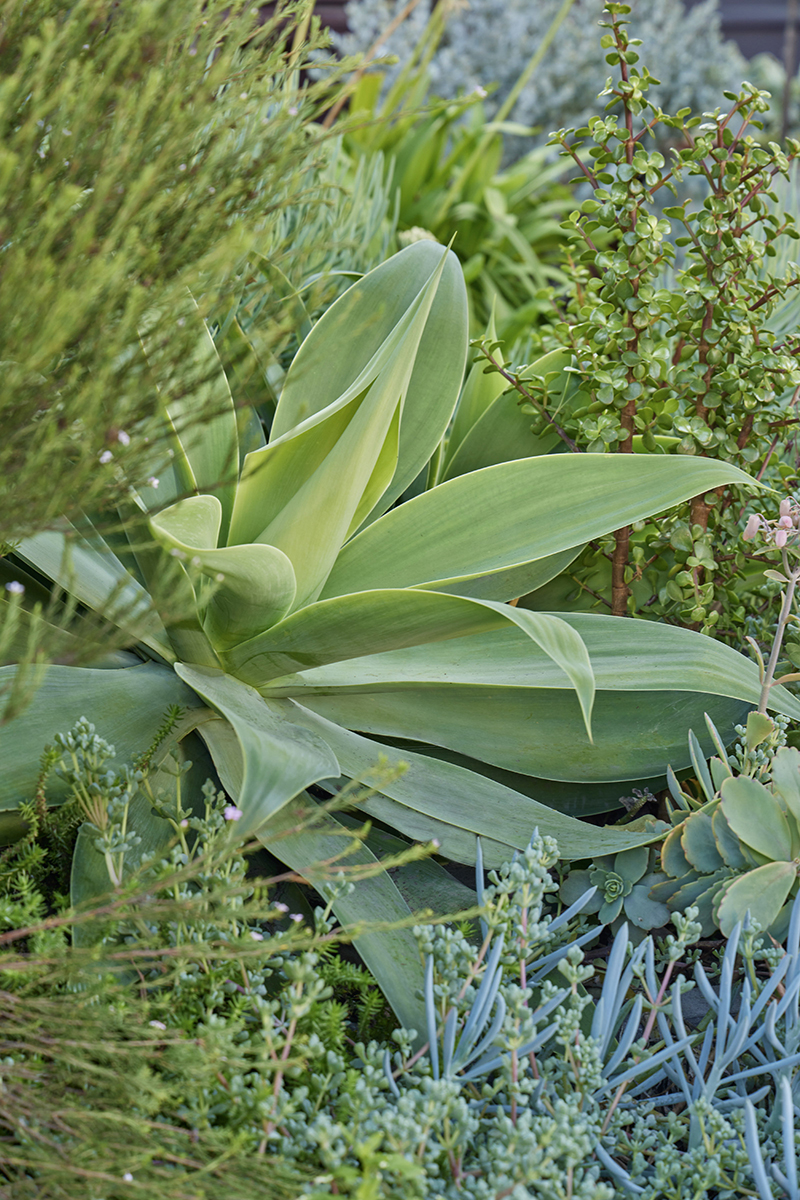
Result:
{"points": [[783, 621], [505, 108]]}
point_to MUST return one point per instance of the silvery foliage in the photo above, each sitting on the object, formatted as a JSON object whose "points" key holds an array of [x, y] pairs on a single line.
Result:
{"points": [[520, 1089], [534, 1081], [490, 41]]}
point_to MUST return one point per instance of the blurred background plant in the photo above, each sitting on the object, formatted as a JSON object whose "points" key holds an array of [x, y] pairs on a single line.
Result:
{"points": [[158, 149], [443, 162], [487, 44]]}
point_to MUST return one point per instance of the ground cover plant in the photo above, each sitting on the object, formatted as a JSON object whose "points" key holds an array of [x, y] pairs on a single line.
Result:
{"points": [[189, 1039]]}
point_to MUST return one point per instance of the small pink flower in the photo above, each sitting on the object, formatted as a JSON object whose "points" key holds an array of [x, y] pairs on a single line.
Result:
{"points": [[786, 523], [780, 538], [257, 937], [157, 1025], [15, 587], [106, 457], [279, 907], [231, 813], [786, 507], [152, 482], [752, 527], [123, 438], [295, 917]]}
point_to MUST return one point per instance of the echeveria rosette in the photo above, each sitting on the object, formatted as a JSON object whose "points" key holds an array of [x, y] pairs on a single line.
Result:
{"points": [[623, 883]]}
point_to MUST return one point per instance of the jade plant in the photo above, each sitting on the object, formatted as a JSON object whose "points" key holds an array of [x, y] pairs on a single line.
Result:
{"points": [[674, 275], [317, 616]]}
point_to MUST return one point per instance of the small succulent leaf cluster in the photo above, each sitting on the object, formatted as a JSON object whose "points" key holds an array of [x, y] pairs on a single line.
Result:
{"points": [[623, 883], [738, 853], [273, 1061]]}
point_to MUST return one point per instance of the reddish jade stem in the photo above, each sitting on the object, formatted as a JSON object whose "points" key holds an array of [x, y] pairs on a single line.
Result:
{"points": [[648, 1029], [514, 1077]]}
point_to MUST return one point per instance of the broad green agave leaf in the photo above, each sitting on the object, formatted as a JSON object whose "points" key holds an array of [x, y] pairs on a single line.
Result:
{"points": [[423, 883], [279, 759], [350, 333], [498, 519], [490, 427], [503, 433], [480, 390], [311, 487], [354, 626], [390, 954], [87, 568], [127, 706], [499, 698], [206, 451], [433, 798]]}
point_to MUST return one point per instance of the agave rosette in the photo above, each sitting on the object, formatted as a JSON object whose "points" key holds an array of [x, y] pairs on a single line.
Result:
{"points": [[338, 611]]}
